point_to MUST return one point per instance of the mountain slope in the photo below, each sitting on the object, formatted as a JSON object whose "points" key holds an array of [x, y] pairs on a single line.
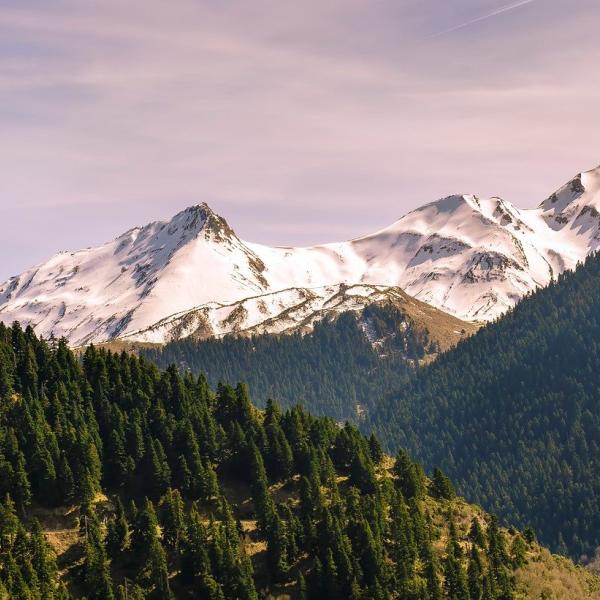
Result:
{"points": [[471, 257], [512, 413], [297, 310]]}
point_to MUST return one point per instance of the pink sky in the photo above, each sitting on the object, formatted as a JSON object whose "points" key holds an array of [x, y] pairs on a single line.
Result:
{"points": [[300, 122]]}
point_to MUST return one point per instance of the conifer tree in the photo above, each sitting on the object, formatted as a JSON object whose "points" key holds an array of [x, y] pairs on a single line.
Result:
{"points": [[194, 555], [434, 590], [474, 574], [263, 503], [476, 534], [302, 588], [518, 551], [158, 576], [42, 561], [21, 488], [97, 579], [66, 482], [182, 476], [209, 589], [455, 579], [144, 534], [118, 534], [375, 449], [441, 486], [330, 575], [362, 473], [277, 548], [410, 479]]}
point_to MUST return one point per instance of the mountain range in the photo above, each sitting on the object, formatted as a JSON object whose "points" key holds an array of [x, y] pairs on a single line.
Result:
{"points": [[473, 258]]}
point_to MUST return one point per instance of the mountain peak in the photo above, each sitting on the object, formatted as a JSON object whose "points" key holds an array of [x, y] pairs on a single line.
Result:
{"points": [[202, 210], [564, 200], [193, 222], [595, 170], [201, 218], [591, 179]]}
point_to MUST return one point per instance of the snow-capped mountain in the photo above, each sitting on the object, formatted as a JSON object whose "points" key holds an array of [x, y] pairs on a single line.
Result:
{"points": [[140, 277], [468, 256]]}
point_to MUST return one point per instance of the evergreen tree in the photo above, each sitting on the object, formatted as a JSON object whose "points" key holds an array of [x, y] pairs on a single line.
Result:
{"points": [[441, 486], [411, 479], [375, 449], [455, 580], [263, 503], [158, 576], [474, 575], [118, 535], [173, 518], [145, 533], [97, 579]]}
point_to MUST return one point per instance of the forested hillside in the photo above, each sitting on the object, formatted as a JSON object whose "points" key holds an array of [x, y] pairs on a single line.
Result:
{"points": [[118, 480], [337, 370], [513, 413]]}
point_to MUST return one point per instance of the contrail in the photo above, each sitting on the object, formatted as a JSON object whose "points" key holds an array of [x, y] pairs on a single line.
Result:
{"points": [[494, 13]]}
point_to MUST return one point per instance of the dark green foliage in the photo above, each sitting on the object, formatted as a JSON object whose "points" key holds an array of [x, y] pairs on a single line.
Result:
{"points": [[375, 449], [315, 497], [475, 575], [118, 534], [96, 578], [512, 414], [27, 564], [410, 476], [441, 487], [455, 578], [518, 551], [333, 371]]}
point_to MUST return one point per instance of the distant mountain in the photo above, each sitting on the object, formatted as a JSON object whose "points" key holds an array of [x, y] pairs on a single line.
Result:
{"points": [[512, 414], [473, 258]]}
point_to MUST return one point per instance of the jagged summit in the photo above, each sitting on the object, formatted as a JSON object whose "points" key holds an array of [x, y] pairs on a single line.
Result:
{"points": [[574, 209], [470, 256], [193, 218], [197, 218], [586, 181], [186, 224]]}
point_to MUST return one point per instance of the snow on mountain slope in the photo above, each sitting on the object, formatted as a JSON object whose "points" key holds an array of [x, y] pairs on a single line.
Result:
{"points": [[296, 310], [138, 278], [472, 257], [468, 256]]}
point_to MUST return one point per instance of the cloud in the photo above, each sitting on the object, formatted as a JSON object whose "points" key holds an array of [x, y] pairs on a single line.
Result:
{"points": [[498, 11]]}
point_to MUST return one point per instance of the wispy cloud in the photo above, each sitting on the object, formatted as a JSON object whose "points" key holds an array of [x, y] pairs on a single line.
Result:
{"points": [[501, 10]]}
